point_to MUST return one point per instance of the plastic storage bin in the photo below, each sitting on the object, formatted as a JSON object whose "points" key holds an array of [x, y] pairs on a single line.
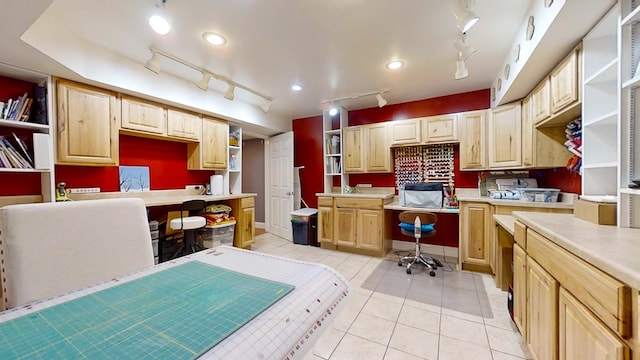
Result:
{"points": [[539, 194], [221, 234]]}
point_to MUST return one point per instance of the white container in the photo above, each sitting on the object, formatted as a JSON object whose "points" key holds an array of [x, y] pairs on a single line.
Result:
{"points": [[217, 183]]}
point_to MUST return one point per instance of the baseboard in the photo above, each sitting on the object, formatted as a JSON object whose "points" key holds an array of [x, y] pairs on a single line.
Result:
{"points": [[259, 225]]}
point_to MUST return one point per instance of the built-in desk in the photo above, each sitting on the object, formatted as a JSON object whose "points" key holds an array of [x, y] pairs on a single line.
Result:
{"points": [[505, 227], [242, 205]]}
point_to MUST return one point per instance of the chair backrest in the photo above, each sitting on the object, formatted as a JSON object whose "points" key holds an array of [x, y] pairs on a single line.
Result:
{"points": [[425, 217], [48, 249]]}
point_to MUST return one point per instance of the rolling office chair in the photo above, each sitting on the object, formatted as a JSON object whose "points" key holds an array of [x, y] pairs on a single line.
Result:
{"points": [[189, 224], [419, 225]]}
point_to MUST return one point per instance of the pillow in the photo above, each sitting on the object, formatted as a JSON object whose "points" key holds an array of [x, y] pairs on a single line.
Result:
{"points": [[411, 227]]}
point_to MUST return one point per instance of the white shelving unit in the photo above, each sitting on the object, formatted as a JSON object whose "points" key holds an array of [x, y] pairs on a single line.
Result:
{"points": [[332, 127], [600, 107], [43, 148], [629, 135], [233, 174]]}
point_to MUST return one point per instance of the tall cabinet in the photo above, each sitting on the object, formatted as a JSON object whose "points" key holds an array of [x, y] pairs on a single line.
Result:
{"points": [[629, 135], [37, 137], [332, 127], [600, 115]]}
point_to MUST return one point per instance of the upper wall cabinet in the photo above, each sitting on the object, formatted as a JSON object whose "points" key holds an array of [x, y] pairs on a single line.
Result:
{"points": [[505, 136], [353, 148], [183, 125], [406, 132], [212, 152], [440, 129], [87, 125], [378, 151], [558, 98], [473, 153], [143, 116]]}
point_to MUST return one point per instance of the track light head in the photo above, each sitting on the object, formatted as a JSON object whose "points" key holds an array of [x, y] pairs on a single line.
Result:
{"points": [[461, 69], [465, 15], [381, 101], [204, 83], [463, 48], [154, 63], [229, 94]]}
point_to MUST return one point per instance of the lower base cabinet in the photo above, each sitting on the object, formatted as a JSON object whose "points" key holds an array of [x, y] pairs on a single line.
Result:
{"points": [[520, 289], [542, 310]]}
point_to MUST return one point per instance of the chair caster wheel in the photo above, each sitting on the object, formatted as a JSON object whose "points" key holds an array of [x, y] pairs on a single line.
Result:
{"points": [[399, 263], [409, 271], [432, 273]]}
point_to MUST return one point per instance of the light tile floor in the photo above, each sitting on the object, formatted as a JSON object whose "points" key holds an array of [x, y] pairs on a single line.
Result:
{"points": [[452, 316]]}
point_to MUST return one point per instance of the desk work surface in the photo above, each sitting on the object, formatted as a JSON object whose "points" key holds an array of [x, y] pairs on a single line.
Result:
{"points": [[247, 305]]}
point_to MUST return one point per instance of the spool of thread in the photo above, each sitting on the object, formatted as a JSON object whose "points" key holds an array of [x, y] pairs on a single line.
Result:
{"points": [[216, 185]]}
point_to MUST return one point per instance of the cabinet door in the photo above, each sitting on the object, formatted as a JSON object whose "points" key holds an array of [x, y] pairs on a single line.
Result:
{"points": [[583, 336], [472, 135], [370, 224], [439, 129], [325, 225], [527, 133], [475, 237], [143, 116], [345, 226], [520, 289], [245, 224], [542, 312], [378, 151], [184, 125], [406, 132], [564, 82], [353, 148], [505, 136], [541, 101], [211, 152], [87, 125]]}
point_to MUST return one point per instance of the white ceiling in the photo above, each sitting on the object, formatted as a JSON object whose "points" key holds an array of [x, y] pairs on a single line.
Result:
{"points": [[334, 48]]}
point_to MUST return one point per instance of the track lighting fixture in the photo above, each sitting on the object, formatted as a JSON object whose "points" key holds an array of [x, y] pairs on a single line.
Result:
{"points": [[154, 65], [461, 69], [463, 48], [465, 15], [381, 101], [204, 83], [229, 94]]}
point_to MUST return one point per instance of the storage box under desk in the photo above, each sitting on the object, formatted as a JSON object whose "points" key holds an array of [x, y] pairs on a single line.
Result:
{"points": [[601, 213]]}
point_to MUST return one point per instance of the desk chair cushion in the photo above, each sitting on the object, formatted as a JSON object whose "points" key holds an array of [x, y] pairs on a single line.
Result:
{"points": [[411, 227], [188, 223], [48, 249]]}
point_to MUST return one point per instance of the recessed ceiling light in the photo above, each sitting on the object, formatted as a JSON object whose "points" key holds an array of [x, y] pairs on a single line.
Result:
{"points": [[159, 24], [395, 64], [214, 39], [296, 87]]}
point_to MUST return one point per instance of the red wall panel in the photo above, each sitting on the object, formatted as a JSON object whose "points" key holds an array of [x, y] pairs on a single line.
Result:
{"points": [[307, 139]]}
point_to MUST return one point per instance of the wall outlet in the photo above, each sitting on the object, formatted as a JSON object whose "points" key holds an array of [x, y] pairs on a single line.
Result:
{"points": [[363, 185], [193, 187], [84, 190]]}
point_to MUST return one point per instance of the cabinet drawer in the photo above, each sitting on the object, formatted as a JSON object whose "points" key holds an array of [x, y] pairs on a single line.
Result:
{"points": [[520, 234], [606, 297], [325, 201], [247, 202], [372, 204]]}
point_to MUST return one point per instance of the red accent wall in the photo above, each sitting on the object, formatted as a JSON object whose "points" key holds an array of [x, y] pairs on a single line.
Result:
{"points": [[167, 162]]}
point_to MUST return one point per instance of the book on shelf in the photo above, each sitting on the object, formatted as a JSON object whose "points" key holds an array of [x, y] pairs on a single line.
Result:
{"points": [[22, 148], [13, 157], [17, 110]]}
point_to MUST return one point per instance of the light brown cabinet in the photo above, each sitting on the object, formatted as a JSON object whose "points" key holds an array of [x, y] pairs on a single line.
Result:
{"points": [[520, 289], [541, 147], [370, 225], [542, 310], [143, 116], [87, 125], [475, 236], [245, 223], [184, 125], [346, 226], [541, 102], [353, 149], [406, 132], [473, 140], [211, 152], [505, 136], [563, 82], [325, 220], [440, 129], [366, 149]]}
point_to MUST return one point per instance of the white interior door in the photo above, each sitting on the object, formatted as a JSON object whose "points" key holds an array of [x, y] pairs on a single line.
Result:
{"points": [[279, 173]]}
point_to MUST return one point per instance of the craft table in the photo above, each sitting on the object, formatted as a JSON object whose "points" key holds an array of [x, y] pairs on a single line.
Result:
{"points": [[245, 304]]}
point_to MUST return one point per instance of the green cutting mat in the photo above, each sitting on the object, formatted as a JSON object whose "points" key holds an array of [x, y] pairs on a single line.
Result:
{"points": [[177, 313]]}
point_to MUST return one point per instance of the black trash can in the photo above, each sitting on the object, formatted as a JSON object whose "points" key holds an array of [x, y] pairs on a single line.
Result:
{"points": [[304, 223]]}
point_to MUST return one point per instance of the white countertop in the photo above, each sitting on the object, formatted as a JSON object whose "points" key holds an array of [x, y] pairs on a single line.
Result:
{"points": [[161, 197], [506, 221], [612, 249]]}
